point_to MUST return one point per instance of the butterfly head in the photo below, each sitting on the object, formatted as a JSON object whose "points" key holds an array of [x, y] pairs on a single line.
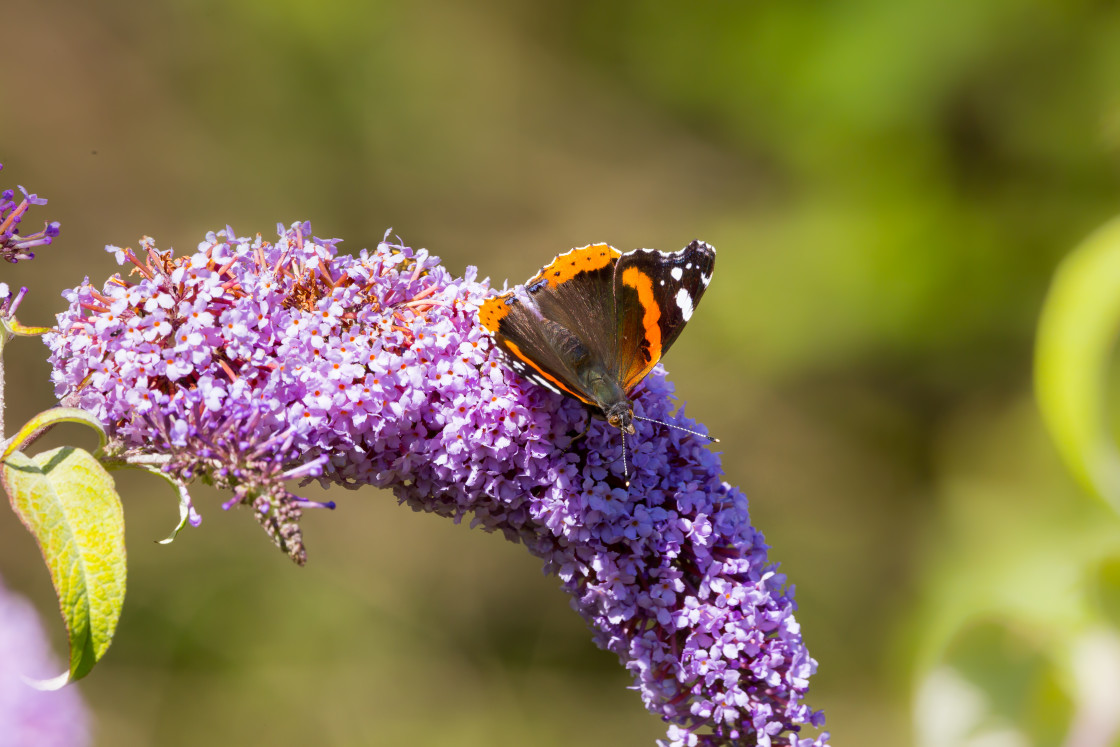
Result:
{"points": [[621, 416]]}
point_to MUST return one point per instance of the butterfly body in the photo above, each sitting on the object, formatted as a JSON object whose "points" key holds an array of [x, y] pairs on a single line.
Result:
{"points": [[594, 322]]}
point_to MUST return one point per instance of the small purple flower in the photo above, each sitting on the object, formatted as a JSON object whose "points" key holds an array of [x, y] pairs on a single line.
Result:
{"points": [[13, 245], [248, 363], [29, 716], [7, 301]]}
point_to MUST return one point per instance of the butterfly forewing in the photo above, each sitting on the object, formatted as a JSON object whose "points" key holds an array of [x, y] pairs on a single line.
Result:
{"points": [[656, 293]]}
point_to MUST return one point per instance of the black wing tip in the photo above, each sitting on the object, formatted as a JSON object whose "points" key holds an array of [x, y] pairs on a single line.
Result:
{"points": [[700, 246], [694, 247]]}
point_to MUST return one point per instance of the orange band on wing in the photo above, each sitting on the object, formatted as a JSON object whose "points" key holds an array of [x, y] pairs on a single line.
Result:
{"points": [[493, 311], [571, 263], [651, 318], [525, 359]]}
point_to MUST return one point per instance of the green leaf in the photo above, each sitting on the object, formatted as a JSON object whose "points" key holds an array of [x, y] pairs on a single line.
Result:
{"points": [[1080, 321], [46, 420], [68, 501]]}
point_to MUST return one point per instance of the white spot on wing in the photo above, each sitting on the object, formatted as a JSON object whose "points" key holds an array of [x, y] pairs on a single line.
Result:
{"points": [[684, 301], [544, 382], [705, 279], [677, 274]]}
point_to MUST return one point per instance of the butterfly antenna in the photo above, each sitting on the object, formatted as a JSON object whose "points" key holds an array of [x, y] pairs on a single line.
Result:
{"points": [[625, 469], [713, 439]]}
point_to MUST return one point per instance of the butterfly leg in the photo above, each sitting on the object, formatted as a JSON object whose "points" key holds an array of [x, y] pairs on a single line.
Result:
{"points": [[586, 427]]}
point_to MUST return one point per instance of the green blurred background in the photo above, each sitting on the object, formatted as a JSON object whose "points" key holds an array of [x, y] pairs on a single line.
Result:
{"points": [[889, 185]]}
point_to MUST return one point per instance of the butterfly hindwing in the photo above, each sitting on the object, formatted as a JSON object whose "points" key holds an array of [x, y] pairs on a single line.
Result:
{"points": [[577, 291], [656, 294], [529, 342], [560, 322]]}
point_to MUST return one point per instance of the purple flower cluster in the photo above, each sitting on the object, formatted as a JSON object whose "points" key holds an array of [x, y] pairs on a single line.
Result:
{"points": [[375, 370], [30, 716], [13, 246]]}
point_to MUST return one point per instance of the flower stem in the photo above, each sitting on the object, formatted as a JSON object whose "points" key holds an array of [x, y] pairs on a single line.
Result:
{"points": [[4, 335]]}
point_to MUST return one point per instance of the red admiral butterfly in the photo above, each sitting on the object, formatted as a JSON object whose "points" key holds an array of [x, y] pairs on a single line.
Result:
{"points": [[594, 322]]}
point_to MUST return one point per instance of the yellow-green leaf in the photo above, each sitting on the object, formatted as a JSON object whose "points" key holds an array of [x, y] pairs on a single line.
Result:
{"points": [[1080, 321], [68, 501], [46, 420]]}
